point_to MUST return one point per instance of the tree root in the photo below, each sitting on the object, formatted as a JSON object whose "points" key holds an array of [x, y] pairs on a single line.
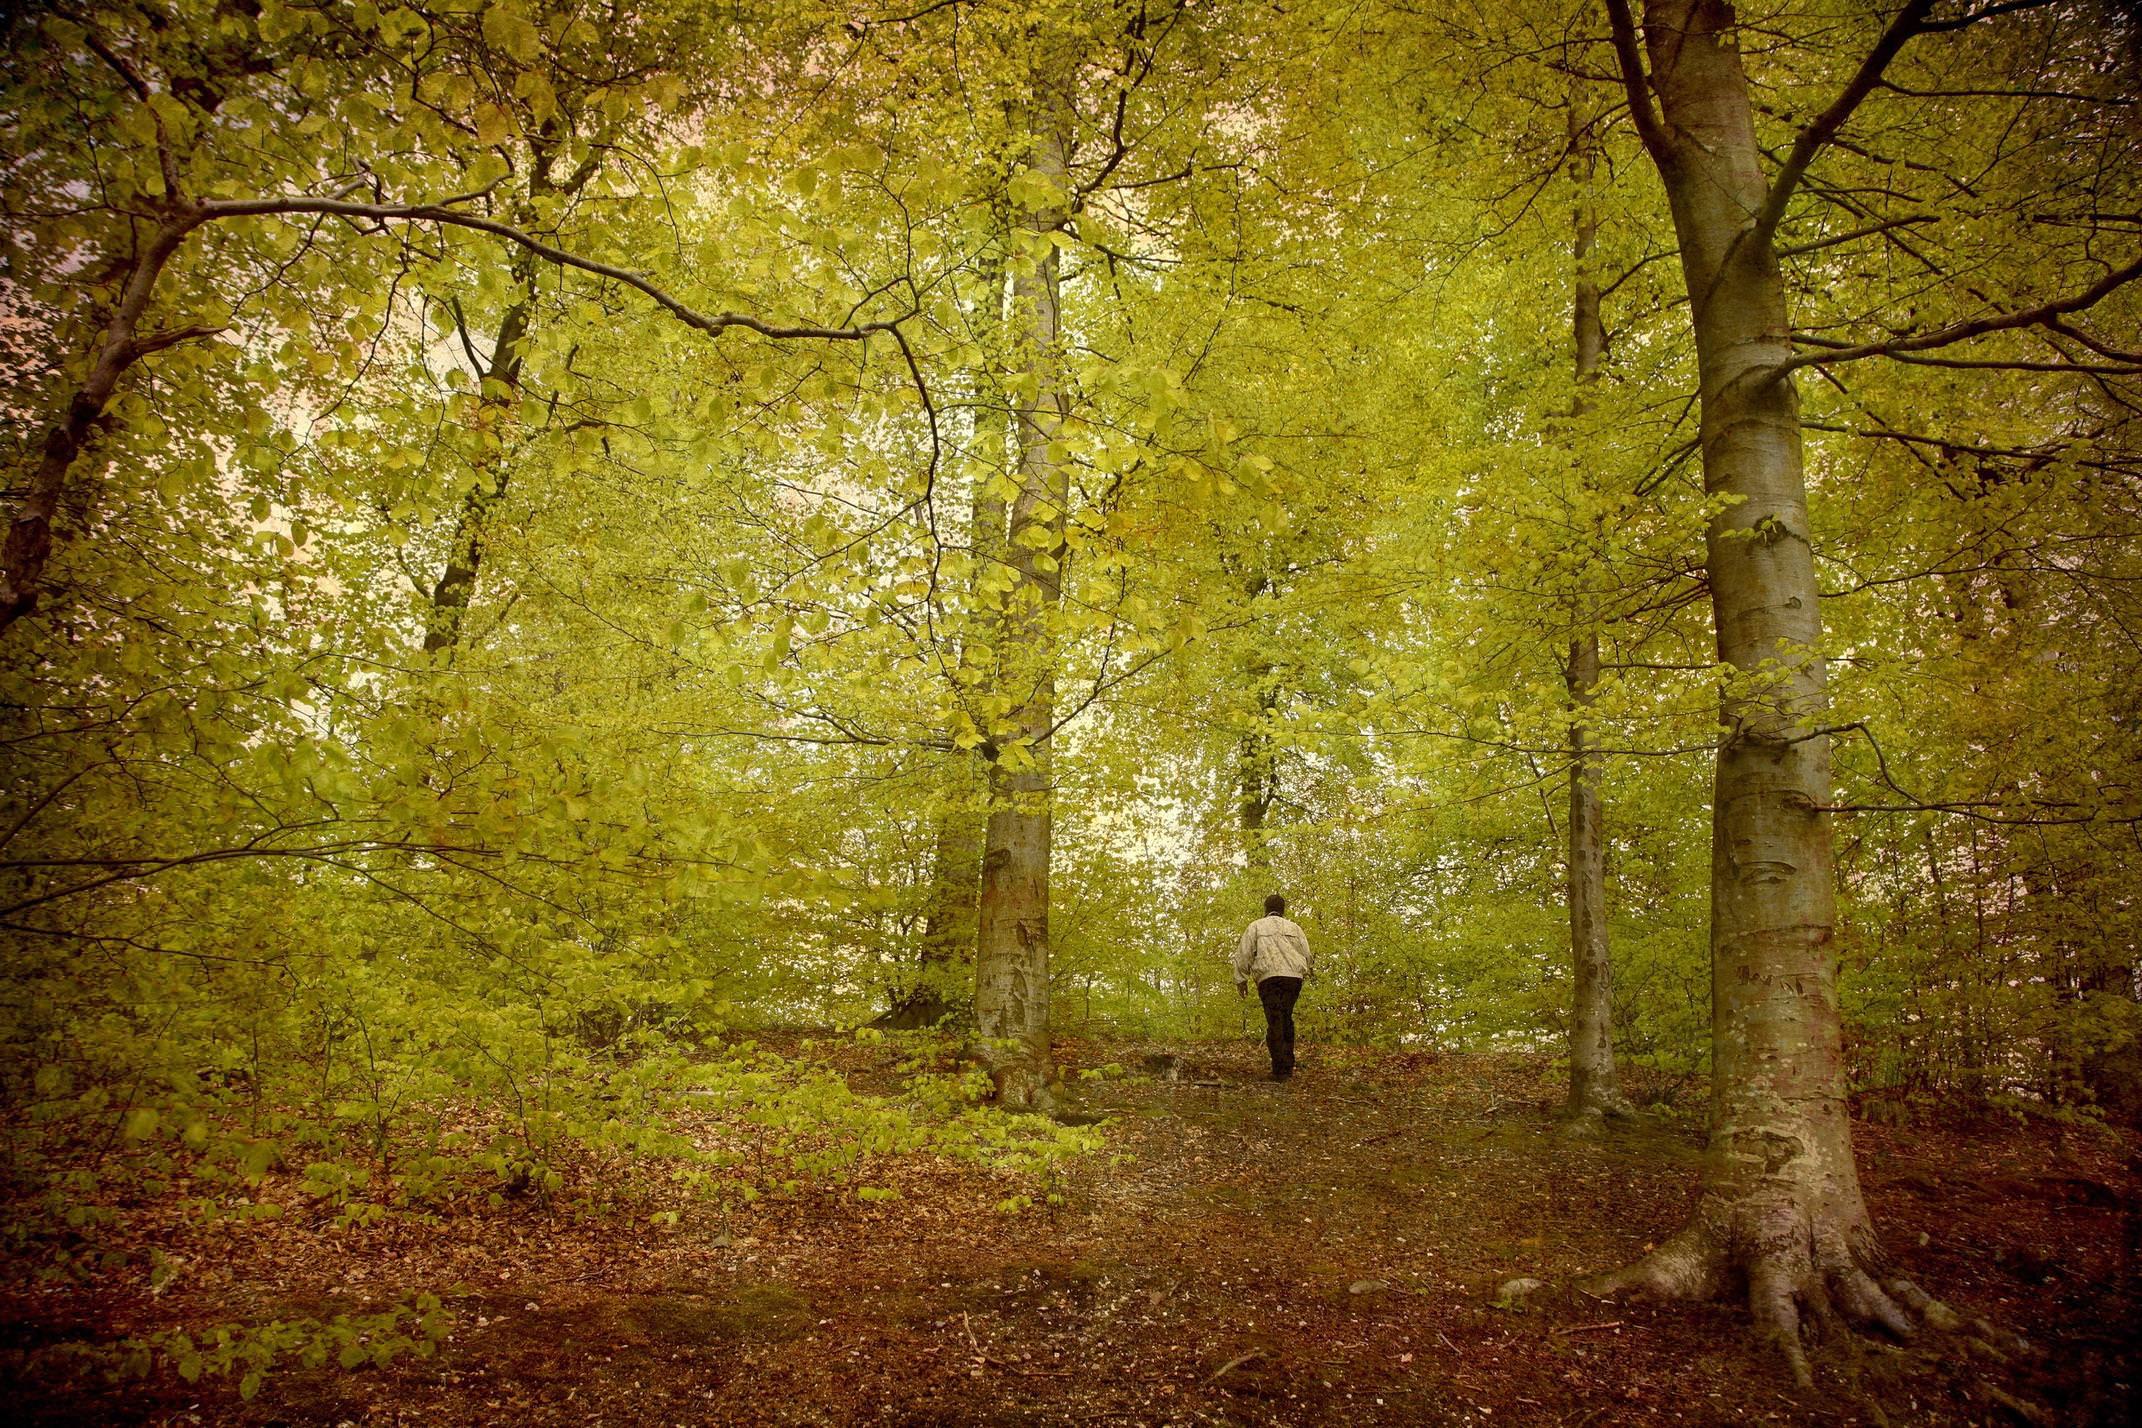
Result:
{"points": [[1019, 1088], [1019, 1074], [1925, 1305], [1065, 1114], [1588, 1119], [1980, 1335], [1234, 1363], [1801, 1282], [2035, 1414]]}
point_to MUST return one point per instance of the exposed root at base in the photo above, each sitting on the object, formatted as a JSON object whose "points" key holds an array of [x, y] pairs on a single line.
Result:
{"points": [[2023, 1408], [1020, 1087], [1018, 1075], [1800, 1281], [1588, 1119], [1026, 1094]]}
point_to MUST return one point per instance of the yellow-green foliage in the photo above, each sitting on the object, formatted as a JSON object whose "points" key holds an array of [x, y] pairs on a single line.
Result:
{"points": [[309, 913]]}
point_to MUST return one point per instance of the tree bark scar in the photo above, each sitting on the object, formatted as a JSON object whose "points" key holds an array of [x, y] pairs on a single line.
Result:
{"points": [[1778, 1151]]}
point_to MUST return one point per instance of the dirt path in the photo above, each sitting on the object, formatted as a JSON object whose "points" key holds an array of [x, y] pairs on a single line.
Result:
{"points": [[1319, 1252]]}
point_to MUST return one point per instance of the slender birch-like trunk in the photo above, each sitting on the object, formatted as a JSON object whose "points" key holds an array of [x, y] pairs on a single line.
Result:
{"points": [[1011, 991], [1594, 1084], [1258, 768]]}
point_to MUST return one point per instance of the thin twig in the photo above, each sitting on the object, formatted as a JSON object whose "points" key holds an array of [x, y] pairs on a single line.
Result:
{"points": [[1234, 1363], [1586, 1328]]}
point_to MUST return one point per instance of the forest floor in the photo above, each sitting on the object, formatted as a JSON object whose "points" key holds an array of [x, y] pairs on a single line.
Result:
{"points": [[1323, 1251]]}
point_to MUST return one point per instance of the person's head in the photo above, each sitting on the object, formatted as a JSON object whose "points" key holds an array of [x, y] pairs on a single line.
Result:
{"points": [[1275, 906]]}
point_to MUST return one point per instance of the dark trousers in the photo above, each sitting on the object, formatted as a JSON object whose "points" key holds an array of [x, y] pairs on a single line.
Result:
{"points": [[1278, 994]]}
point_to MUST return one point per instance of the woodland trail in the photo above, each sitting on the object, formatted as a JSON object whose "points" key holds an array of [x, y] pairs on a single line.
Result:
{"points": [[1249, 1254]]}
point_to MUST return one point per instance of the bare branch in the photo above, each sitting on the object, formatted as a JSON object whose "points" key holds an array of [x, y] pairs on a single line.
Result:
{"points": [[1973, 17], [710, 323], [713, 324], [1630, 57], [166, 156], [1963, 331], [170, 337], [1908, 22], [1801, 249], [1976, 809]]}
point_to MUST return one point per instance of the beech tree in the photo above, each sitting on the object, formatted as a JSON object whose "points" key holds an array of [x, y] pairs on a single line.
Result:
{"points": [[1011, 997], [1781, 1209]]}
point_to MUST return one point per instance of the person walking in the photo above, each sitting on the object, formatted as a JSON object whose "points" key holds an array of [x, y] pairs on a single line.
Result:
{"points": [[1275, 954]]}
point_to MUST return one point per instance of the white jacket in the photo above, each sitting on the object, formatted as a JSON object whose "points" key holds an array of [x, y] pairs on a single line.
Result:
{"points": [[1273, 947]]}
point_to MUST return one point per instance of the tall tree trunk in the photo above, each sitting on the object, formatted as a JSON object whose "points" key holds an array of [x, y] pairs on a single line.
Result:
{"points": [[952, 922], [28, 546], [949, 920], [496, 410], [1256, 766], [1780, 1209], [1594, 1084], [1011, 982], [499, 403]]}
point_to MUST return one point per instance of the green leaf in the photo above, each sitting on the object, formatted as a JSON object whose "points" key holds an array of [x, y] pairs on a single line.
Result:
{"points": [[493, 124], [511, 33]]}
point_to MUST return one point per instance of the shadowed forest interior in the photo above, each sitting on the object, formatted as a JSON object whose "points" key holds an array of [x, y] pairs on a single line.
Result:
{"points": [[652, 656]]}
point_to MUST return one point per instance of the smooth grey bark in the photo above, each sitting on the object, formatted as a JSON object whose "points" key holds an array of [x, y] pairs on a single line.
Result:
{"points": [[1594, 1083], [1011, 981], [1780, 1209]]}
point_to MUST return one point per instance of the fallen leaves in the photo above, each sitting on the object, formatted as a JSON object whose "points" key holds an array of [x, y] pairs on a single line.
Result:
{"points": [[1234, 1256]]}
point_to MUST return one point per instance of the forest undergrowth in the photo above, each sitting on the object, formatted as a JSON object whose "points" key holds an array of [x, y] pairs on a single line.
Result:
{"points": [[1234, 1252]]}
